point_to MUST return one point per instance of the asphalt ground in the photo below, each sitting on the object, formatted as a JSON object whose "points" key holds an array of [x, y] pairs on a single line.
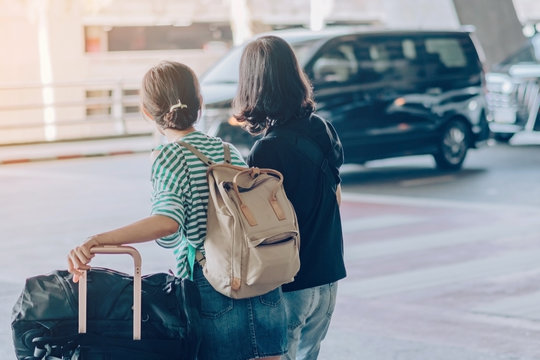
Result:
{"points": [[427, 279]]}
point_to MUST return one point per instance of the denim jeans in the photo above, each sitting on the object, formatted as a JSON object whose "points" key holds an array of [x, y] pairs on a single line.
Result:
{"points": [[309, 312], [240, 329]]}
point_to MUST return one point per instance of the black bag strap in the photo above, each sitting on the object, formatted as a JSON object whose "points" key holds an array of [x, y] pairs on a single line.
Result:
{"points": [[203, 158], [308, 147]]}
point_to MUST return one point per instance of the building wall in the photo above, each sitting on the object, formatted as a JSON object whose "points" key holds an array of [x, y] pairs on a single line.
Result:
{"points": [[19, 40], [65, 22], [420, 14]]}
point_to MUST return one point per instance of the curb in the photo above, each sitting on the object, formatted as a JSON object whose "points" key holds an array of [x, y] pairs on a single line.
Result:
{"points": [[70, 156]]}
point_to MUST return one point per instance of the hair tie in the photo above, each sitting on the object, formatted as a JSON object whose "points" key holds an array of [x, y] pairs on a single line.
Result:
{"points": [[178, 106]]}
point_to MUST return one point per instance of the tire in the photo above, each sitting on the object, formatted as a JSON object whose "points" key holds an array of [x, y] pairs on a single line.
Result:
{"points": [[453, 146]]}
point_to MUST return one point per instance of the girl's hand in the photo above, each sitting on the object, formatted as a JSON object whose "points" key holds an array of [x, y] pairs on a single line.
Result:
{"points": [[79, 257]]}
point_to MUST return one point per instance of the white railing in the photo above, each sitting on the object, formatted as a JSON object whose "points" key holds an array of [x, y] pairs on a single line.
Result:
{"points": [[70, 111]]}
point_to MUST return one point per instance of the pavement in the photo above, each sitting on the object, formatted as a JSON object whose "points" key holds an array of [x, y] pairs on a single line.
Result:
{"points": [[60, 150], [427, 279]]}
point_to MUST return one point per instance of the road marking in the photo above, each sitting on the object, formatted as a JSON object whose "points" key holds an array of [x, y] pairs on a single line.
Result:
{"points": [[427, 181]]}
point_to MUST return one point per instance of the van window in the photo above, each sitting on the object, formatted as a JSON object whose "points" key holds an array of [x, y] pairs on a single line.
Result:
{"points": [[336, 64], [448, 51], [409, 49], [387, 59], [446, 55], [226, 71]]}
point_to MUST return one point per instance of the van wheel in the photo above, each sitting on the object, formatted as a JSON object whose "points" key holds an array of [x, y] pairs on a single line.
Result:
{"points": [[453, 146]]}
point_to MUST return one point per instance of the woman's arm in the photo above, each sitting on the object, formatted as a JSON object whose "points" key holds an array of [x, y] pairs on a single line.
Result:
{"points": [[338, 194], [147, 229]]}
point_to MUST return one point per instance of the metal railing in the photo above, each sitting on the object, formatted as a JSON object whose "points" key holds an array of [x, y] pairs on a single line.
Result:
{"points": [[70, 111]]}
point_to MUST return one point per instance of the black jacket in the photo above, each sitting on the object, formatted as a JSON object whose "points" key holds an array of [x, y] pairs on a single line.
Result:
{"points": [[312, 192]]}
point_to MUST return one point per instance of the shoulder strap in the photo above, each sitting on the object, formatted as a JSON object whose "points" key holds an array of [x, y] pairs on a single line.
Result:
{"points": [[227, 153], [308, 147], [202, 157]]}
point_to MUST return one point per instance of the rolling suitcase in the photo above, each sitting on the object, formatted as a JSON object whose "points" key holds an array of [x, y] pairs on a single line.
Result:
{"points": [[53, 319]]}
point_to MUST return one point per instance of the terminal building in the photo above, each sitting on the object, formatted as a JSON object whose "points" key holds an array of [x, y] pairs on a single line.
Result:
{"points": [[72, 68]]}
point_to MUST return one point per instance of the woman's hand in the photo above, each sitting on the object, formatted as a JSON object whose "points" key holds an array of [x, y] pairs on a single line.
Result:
{"points": [[150, 228], [79, 257]]}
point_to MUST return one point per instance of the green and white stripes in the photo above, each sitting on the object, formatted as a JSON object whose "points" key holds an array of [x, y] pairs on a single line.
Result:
{"points": [[180, 191]]}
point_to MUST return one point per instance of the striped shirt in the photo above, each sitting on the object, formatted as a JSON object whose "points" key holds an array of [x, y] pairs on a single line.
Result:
{"points": [[180, 191]]}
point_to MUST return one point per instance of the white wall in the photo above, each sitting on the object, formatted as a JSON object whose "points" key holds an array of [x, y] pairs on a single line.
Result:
{"points": [[419, 14]]}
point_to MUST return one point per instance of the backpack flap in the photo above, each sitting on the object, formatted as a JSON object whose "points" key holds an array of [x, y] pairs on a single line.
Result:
{"points": [[267, 215]]}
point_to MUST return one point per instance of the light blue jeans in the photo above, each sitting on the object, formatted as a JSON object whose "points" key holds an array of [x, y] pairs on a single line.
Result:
{"points": [[309, 312]]}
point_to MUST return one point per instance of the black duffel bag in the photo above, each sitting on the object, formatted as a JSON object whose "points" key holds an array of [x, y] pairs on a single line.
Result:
{"points": [[45, 318]]}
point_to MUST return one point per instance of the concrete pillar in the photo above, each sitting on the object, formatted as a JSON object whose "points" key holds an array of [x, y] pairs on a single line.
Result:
{"points": [[497, 26]]}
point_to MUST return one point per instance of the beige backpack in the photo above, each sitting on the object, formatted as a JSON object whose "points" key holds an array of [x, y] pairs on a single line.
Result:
{"points": [[252, 239]]}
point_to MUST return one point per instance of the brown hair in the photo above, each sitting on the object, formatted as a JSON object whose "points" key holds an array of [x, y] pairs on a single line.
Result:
{"points": [[167, 84], [272, 88]]}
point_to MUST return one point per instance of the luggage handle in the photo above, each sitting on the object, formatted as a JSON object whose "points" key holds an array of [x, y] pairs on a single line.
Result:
{"points": [[113, 249]]}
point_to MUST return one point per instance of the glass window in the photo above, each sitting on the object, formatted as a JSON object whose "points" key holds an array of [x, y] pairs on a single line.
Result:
{"points": [[451, 55], [409, 49], [448, 52], [386, 59], [336, 64], [226, 71], [143, 38]]}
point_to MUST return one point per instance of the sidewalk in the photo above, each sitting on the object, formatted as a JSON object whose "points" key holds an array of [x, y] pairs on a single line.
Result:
{"points": [[15, 154]]}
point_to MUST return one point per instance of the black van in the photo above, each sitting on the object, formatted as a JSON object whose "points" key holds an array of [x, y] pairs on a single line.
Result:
{"points": [[387, 93]]}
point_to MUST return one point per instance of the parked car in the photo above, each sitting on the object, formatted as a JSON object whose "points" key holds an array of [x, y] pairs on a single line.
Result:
{"points": [[388, 93], [514, 92]]}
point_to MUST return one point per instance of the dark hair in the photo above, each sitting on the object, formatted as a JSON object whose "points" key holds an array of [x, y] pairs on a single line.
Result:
{"points": [[167, 84], [272, 88]]}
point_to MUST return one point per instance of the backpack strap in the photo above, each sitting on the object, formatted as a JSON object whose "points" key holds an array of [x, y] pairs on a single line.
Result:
{"points": [[192, 252], [308, 148], [227, 153], [203, 158]]}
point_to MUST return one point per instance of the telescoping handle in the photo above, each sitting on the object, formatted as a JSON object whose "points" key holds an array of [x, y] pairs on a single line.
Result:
{"points": [[136, 287]]}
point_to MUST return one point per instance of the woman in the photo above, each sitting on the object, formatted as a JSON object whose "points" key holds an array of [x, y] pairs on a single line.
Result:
{"points": [[274, 98], [232, 329]]}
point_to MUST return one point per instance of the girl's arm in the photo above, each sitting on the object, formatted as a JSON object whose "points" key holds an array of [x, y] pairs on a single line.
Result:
{"points": [[147, 229]]}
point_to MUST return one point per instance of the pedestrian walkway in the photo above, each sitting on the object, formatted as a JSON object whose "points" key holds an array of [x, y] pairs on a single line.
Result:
{"points": [[16, 154], [431, 279]]}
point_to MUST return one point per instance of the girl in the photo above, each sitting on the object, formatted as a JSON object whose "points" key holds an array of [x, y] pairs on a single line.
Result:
{"points": [[274, 97], [232, 329]]}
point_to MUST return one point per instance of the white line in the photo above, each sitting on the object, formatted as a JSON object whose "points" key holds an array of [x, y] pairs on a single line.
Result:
{"points": [[427, 181]]}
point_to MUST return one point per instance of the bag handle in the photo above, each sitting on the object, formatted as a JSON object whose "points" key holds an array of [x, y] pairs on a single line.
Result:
{"points": [[113, 249], [203, 158], [254, 172]]}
